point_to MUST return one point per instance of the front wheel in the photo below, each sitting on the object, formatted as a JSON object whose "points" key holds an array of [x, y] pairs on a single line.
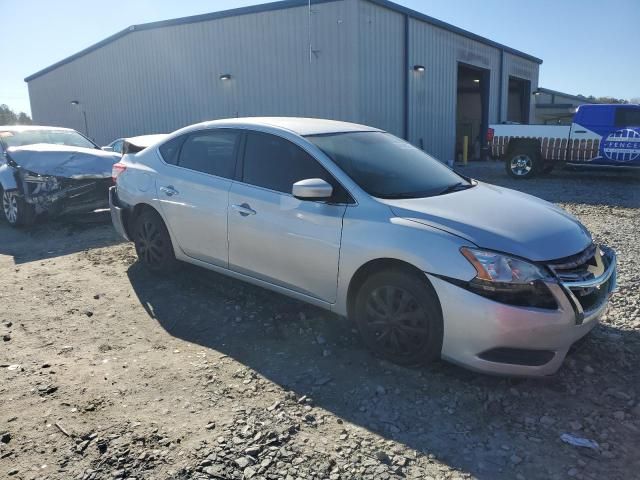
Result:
{"points": [[153, 243], [16, 211], [523, 164], [399, 317]]}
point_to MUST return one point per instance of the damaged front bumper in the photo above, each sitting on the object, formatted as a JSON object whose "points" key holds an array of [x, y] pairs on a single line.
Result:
{"points": [[60, 195]]}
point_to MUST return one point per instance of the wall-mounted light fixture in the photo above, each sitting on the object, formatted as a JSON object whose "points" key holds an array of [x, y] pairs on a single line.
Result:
{"points": [[418, 68], [225, 76], [476, 80], [537, 92], [76, 103]]}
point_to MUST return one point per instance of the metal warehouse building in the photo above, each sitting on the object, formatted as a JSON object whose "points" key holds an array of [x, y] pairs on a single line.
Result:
{"points": [[366, 61]]}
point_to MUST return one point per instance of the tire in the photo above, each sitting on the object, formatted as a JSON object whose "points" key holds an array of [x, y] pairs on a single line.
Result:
{"points": [[523, 162], [399, 317], [153, 243], [15, 210]]}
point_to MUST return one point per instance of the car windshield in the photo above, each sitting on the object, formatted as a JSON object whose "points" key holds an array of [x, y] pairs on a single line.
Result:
{"points": [[54, 136], [388, 167]]}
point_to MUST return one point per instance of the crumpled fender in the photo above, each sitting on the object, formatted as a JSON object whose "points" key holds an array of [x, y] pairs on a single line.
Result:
{"points": [[7, 177]]}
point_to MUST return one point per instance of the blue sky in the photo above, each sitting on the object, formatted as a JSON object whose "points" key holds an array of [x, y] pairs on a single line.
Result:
{"points": [[588, 46]]}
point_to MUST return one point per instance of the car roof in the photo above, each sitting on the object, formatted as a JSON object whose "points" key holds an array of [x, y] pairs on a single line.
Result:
{"points": [[298, 125], [26, 128]]}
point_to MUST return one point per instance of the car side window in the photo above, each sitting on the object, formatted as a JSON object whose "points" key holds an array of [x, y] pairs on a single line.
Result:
{"points": [[275, 163], [117, 146], [627, 117], [170, 150], [210, 151]]}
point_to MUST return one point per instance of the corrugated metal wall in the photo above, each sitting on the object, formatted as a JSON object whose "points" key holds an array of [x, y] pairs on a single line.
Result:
{"points": [[521, 68], [161, 79], [433, 94], [381, 67]]}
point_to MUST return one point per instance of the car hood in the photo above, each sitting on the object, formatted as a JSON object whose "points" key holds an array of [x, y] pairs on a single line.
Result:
{"points": [[63, 160], [500, 219]]}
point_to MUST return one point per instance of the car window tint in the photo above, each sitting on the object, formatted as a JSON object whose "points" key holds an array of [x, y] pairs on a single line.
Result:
{"points": [[627, 117], [211, 152], [275, 163], [170, 150]]}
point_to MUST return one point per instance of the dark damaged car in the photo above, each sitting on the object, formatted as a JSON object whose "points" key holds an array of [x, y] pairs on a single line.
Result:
{"points": [[51, 170]]}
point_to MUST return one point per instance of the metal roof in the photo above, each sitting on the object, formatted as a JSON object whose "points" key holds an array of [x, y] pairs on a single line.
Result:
{"points": [[580, 98], [266, 7]]}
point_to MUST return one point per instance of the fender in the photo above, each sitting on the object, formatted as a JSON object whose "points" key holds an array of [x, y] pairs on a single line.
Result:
{"points": [[7, 177]]}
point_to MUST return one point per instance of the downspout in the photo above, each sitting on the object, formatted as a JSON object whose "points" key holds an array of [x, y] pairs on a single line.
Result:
{"points": [[405, 126]]}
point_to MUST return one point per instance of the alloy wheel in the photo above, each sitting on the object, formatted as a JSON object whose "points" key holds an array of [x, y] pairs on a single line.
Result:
{"points": [[521, 165], [395, 321], [10, 207], [149, 243]]}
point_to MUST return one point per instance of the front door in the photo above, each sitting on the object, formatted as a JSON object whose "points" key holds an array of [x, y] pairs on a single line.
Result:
{"points": [[275, 237], [193, 188]]}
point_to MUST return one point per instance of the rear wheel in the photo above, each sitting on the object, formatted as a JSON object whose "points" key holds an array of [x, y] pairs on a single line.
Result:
{"points": [[399, 317], [16, 211], [523, 163], [153, 243]]}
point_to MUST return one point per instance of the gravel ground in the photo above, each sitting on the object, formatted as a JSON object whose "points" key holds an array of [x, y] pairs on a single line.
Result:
{"points": [[110, 373]]}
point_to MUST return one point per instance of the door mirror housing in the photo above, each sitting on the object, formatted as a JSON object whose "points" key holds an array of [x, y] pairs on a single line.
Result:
{"points": [[312, 189]]}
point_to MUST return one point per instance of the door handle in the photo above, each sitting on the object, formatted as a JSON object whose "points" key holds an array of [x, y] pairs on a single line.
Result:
{"points": [[169, 191], [244, 209], [580, 131]]}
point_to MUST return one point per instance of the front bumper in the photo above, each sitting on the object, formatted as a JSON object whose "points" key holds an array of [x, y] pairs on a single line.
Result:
{"points": [[475, 325], [117, 214]]}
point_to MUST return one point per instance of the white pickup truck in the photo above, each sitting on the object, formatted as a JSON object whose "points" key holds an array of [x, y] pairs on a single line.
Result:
{"points": [[603, 135]]}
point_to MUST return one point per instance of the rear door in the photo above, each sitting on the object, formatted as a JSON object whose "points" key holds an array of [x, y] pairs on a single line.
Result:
{"points": [[274, 236], [193, 188]]}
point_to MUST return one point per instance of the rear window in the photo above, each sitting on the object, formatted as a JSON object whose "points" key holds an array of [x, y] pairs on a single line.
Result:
{"points": [[628, 117], [170, 150]]}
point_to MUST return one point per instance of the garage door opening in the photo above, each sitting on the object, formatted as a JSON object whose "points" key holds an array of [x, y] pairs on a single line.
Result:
{"points": [[519, 100], [472, 110]]}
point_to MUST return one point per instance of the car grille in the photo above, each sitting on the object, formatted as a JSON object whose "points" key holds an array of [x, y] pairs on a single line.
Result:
{"points": [[579, 274]]}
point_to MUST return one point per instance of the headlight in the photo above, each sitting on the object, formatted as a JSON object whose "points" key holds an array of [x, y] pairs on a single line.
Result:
{"points": [[496, 267], [508, 279]]}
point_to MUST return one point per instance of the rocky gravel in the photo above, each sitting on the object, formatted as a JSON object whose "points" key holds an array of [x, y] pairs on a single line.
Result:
{"points": [[107, 372]]}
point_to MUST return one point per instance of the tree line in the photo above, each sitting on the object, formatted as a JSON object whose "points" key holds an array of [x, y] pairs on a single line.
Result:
{"points": [[9, 117]]}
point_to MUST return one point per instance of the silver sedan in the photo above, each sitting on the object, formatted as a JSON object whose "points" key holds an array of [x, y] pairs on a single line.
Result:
{"points": [[428, 263]]}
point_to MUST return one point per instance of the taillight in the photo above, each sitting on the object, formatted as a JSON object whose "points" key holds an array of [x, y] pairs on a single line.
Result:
{"points": [[490, 133], [116, 170]]}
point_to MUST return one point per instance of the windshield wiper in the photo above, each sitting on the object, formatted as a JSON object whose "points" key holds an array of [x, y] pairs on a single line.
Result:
{"points": [[456, 187]]}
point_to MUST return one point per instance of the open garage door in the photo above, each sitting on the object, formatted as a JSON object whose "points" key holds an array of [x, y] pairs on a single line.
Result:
{"points": [[519, 100], [472, 110]]}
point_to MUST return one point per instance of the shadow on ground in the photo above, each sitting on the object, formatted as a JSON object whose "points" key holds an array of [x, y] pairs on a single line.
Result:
{"points": [[57, 237], [472, 422]]}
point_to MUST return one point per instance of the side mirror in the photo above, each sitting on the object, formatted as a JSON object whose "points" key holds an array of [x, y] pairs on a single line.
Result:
{"points": [[107, 148], [312, 189]]}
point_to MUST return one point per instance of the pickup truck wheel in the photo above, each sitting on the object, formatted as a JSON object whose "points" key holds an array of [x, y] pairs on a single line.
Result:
{"points": [[399, 317], [16, 211], [153, 243], [523, 164]]}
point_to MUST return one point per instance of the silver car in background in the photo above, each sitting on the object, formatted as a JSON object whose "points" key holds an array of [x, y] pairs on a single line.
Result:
{"points": [[429, 264]]}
